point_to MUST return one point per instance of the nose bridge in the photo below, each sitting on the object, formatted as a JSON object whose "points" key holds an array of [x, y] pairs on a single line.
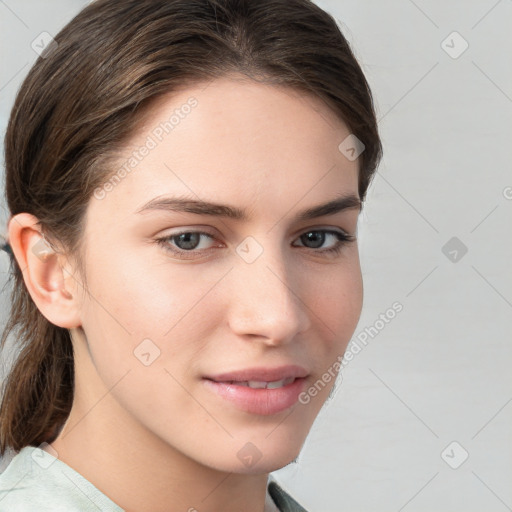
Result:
{"points": [[266, 301]]}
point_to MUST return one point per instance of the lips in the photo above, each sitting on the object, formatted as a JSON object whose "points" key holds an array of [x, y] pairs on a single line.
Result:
{"points": [[263, 391], [261, 374], [256, 384]]}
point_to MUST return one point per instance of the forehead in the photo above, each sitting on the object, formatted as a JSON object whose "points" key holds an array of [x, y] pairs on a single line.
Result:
{"points": [[237, 141]]}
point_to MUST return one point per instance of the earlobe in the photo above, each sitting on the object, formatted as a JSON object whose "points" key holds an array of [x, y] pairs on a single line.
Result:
{"points": [[43, 272]]}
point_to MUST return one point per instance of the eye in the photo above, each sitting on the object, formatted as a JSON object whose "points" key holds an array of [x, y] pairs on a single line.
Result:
{"points": [[189, 244], [314, 239], [185, 242]]}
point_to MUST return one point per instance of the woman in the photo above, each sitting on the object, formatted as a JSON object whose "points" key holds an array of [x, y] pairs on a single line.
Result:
{"points": [[184, 179]]}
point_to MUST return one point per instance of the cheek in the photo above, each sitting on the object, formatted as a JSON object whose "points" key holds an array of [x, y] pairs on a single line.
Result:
{"points": [[134, 301], [338, 300], [336, 311], [137, 293], [145, 331]]}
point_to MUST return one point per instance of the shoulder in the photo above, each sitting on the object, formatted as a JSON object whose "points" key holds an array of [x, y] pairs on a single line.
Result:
{"points": [[35, 479], [282, 499]]}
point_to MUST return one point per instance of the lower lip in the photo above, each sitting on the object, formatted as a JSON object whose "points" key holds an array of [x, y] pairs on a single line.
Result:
{"points": [[259, 401]]}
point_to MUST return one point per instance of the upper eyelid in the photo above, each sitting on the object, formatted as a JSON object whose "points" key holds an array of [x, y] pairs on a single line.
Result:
{"points": [[301, 232]]}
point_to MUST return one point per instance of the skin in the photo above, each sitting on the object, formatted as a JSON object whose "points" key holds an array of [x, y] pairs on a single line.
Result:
{"points": [[153, 438]]}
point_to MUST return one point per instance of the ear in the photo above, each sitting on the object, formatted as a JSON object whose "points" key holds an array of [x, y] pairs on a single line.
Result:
{"points": [[47, 275]]}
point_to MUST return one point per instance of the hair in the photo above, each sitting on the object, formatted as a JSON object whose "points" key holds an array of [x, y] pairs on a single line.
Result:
{"points": [[83, 99]]}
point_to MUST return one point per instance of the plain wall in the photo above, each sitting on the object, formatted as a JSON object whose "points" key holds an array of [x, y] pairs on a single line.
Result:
{"points": [[431, 385]]}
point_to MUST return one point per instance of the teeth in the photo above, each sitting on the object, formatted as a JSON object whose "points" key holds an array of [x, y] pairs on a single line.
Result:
{"points": [[262, 384], [256, 385], [276, 384]]}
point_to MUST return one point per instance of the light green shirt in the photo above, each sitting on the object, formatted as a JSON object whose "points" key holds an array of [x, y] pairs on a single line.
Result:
{"points": [[35, 480]]}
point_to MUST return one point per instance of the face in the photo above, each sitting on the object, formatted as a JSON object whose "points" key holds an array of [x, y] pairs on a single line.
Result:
{"points": [[192, 308]]}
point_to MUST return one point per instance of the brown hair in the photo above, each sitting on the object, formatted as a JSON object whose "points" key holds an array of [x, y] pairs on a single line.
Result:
{"points": [[83, 98]]}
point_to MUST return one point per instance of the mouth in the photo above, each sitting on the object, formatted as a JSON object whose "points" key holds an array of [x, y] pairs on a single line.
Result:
{"points": [[255, 384], [266, 375], [262, 391]]}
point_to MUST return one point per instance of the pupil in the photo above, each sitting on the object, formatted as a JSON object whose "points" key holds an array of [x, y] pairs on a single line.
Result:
{"points": [[188, 240], [316, 237]]}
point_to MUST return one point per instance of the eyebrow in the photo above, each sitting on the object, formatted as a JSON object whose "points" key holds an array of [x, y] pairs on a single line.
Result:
{"points": [[175, 204]]}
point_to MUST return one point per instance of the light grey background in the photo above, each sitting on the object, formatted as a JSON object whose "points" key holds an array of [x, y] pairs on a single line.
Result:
{"points": [[439, 371]]}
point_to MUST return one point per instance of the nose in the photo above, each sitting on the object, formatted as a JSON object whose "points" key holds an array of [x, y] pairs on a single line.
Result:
{"points": [[266, 300]]}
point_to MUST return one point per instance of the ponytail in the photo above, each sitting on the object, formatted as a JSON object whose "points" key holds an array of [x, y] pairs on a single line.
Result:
{"points": [[37, 393]]}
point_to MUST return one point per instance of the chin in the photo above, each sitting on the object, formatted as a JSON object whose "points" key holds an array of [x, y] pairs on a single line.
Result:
{"points": [[263, 466], [266, 456]]}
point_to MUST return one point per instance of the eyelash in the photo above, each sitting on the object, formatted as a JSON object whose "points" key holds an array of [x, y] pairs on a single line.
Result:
{"points": [[343, 239]]}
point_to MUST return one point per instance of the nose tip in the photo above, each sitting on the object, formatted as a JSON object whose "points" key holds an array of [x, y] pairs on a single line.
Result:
{"points": [[267, 305]]}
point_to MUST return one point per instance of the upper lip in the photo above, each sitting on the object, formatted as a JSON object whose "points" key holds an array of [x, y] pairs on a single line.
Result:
{"points": [[261, 374]]}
